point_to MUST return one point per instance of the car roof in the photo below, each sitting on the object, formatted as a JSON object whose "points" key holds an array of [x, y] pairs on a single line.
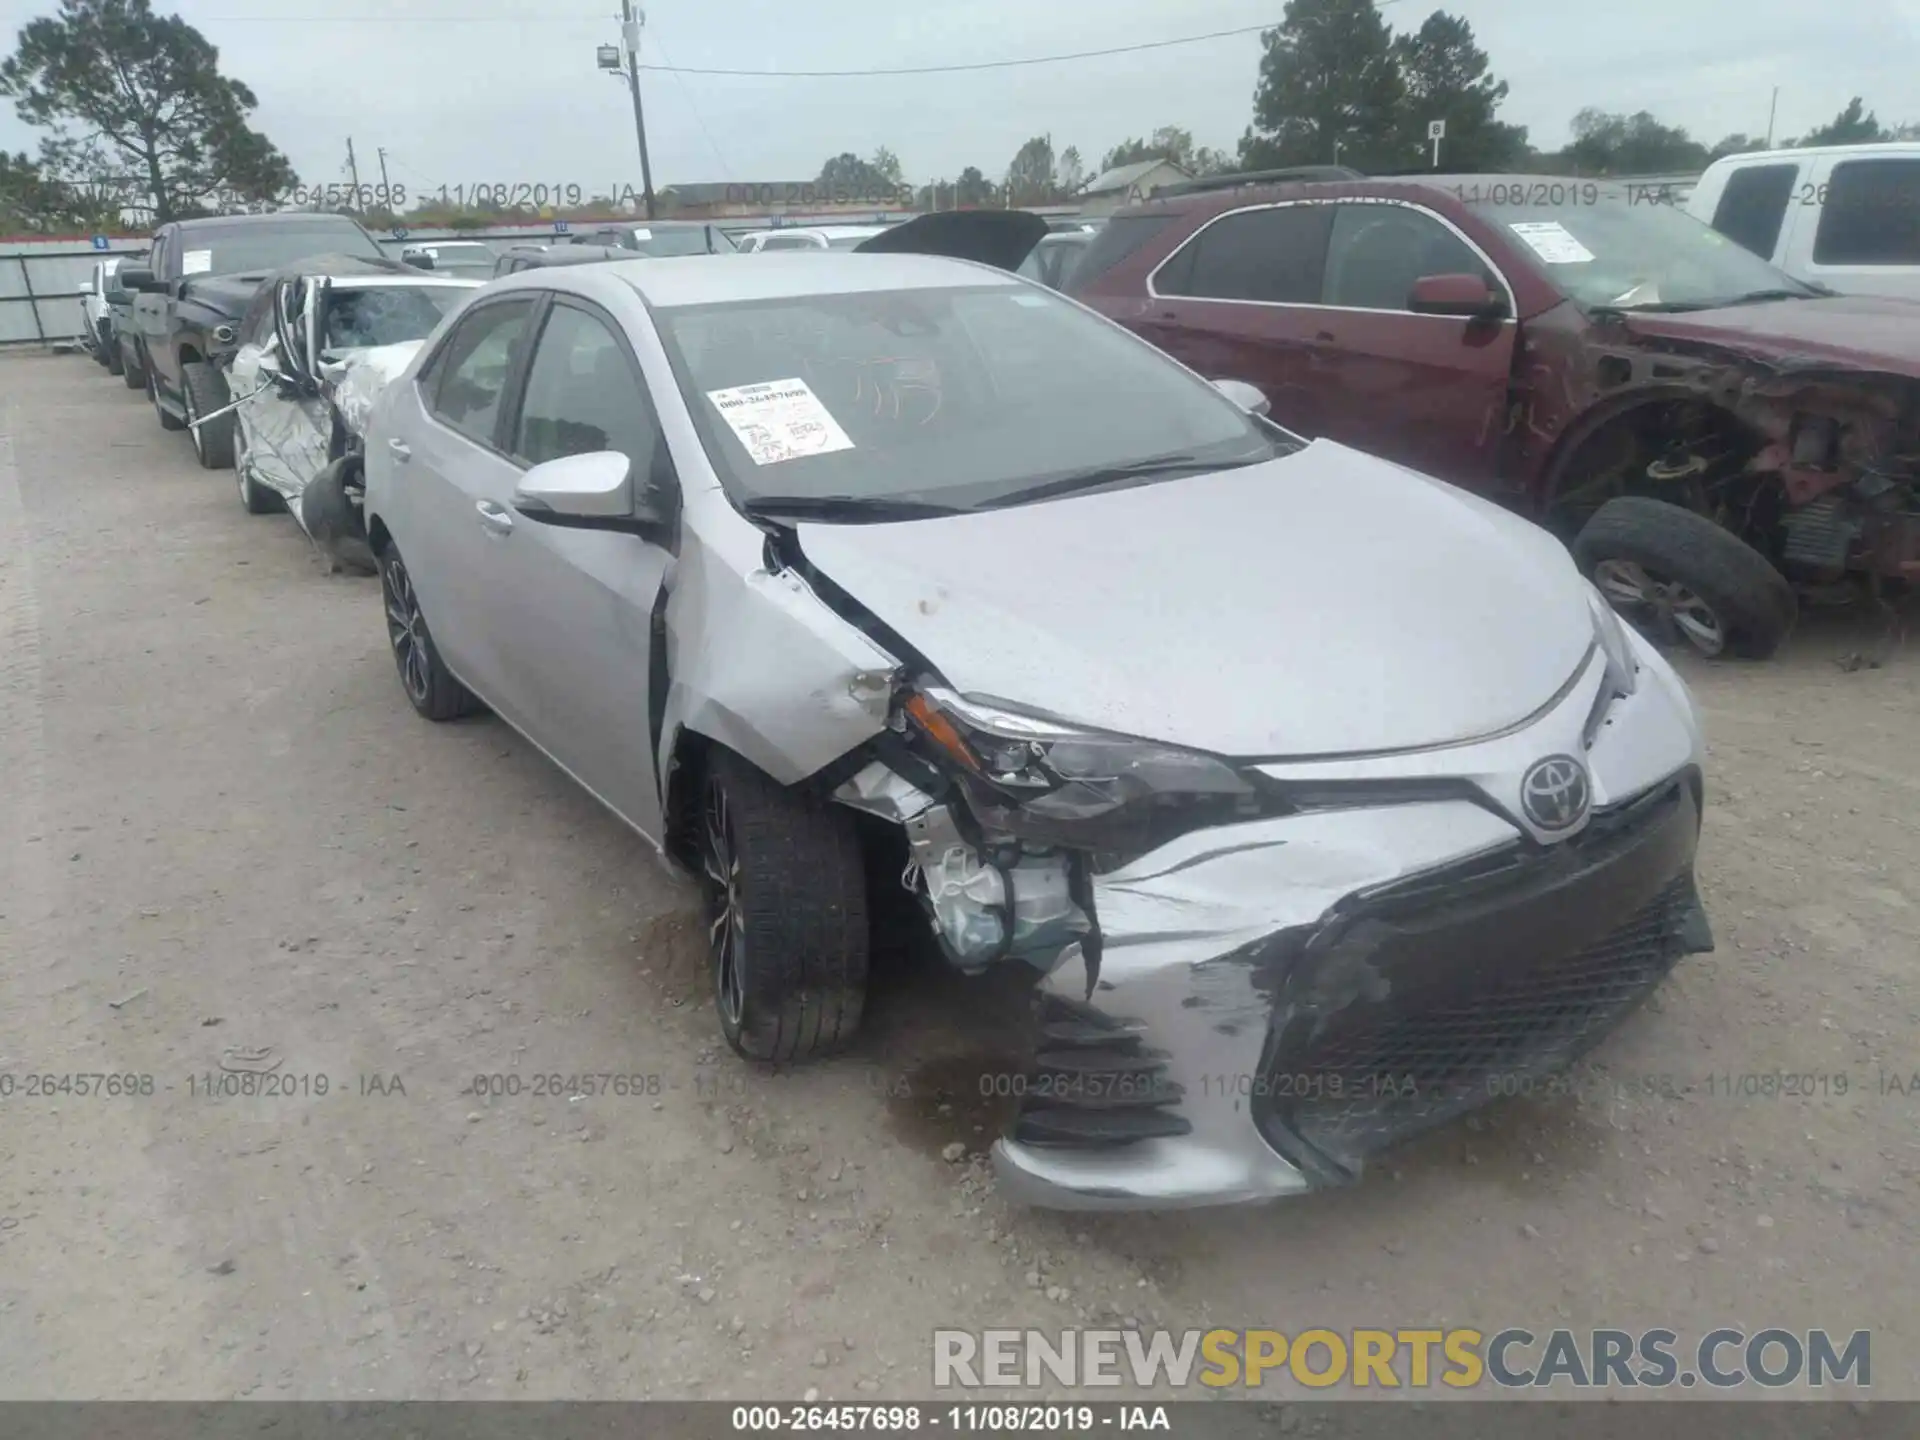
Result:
{"points": [[704, 280], [1884, 149], [1209, 202]]}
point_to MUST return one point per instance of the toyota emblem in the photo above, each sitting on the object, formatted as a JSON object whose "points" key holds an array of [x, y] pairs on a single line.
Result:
{"points": [[1554, 792]]}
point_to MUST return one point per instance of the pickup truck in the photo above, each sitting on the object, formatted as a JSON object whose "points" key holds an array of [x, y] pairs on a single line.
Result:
{"points": [[188, 300]]}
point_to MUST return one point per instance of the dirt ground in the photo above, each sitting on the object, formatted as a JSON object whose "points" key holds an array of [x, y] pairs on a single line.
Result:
{"points": [[224, 837]]}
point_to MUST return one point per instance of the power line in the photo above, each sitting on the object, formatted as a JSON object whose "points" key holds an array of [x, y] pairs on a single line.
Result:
{"points": [[980, 64]]}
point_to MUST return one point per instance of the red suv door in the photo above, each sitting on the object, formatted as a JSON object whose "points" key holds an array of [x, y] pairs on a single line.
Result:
{"points": [[1228, 302], [1430, 391]]}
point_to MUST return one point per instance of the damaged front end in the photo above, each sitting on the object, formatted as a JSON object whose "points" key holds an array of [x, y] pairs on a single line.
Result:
{"points": [[1251, 976]]}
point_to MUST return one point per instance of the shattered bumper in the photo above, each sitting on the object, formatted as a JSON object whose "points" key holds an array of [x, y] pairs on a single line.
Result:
{"points": [[1267, 1005]]}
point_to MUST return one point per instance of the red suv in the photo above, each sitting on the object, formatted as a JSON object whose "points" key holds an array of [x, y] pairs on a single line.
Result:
{"points": [[1695, 423]]}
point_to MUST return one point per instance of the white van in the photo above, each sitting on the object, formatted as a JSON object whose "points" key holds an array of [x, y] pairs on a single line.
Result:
{"points": [[1844, 216]]}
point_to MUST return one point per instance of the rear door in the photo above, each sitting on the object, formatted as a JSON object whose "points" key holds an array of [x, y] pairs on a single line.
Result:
{"points": [[452, 480], [572, 609], [1233, 303], [1857, 224], [1429, 391]]}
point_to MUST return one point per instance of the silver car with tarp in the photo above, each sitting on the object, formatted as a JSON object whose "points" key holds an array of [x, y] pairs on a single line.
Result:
{"points": [[320, 340]]}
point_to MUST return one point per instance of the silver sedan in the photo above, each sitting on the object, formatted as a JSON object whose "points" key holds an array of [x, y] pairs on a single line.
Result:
{"points": [[1321, 801]]}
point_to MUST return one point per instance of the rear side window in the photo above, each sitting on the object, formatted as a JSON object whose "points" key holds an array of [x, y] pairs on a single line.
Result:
{"points": [[1753, 205], [1871, 215], [1274, 255], [1114, 242], [472, 370]]}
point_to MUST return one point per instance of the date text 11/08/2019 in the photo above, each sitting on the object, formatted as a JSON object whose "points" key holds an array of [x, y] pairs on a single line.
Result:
{"points": [[1027, 1419]]}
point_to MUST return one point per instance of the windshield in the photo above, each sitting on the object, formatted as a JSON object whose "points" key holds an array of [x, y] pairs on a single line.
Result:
{"points": [[1619, 252], [387, 315], [960, 397], [242, 249], [672, 242]]}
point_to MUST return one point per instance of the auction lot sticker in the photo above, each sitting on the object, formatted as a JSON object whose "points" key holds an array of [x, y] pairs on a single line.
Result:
{"points": [[1552, 242], [779, 420]]}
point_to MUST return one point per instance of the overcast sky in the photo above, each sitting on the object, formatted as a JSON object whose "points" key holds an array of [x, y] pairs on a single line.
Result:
{"points": [[506, 90]]}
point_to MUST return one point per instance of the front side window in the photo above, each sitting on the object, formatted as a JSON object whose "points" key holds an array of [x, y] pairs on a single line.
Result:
{"points": [[1376, 252], [1871, 215], [1754, 204], [1276, 254], [669, 242], [957, 397], [583, 395], [473, 368]]}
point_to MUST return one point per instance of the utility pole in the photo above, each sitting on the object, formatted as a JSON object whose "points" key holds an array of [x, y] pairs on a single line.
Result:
{"points": [[1772, 110], [630, 36], [353, 169], [386, 191]]}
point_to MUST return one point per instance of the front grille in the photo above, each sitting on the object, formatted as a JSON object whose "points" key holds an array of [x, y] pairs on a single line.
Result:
{"points": [[1387, 1074], [1095, 1082], [1430, 999]]}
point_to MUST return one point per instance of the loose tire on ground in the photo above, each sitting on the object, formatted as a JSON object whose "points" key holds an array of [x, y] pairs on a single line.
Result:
{"points": [[798, 914], [1752, 601], [204, 390], [430, 686]]}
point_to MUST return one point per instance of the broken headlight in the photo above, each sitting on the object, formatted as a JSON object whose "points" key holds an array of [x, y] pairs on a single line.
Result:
{"points": [[1623, 669], [1051, 783]]}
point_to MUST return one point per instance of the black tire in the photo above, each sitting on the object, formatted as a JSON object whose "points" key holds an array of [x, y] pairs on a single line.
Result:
{"points": [[98, 349], [204, 390], [1691, 559], [793, 925], [133, 369], [110, 348], [168, 420], [430, 686]]}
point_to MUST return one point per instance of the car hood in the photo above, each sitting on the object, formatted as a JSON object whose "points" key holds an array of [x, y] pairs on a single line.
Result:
{"points": [[1865, 332], [993, 237], [1323, 603], [227, 294]]}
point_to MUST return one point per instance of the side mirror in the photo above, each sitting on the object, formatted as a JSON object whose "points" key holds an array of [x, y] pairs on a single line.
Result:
{"points": [[594, 486], [140, 278], [1247, 397], [1468, 297], [593, 492]]}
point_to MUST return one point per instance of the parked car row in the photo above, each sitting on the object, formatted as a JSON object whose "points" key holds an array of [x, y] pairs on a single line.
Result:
{"points": [[1309, 791]]}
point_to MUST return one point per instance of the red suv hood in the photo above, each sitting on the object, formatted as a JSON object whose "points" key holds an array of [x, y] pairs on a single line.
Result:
{"points": [[1863, 332]]}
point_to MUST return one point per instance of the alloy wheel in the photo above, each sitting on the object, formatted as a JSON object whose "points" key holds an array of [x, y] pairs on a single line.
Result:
{"points": [[407, 629], [726, 933], [1667, 606]]}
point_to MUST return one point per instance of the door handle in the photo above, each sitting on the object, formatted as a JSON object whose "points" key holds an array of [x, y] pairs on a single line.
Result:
{"points": [[494, 518], [399, 449]]}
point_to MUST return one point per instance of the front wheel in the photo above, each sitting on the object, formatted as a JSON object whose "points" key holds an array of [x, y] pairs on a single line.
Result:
{"points": [[1679, 577], [203, 390], [430, 686], [786, 914], [133, 373], [110, 350]]}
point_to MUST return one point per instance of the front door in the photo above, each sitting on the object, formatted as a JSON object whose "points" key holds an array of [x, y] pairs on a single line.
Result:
{"points": [[1429, 391], [574, 608]]}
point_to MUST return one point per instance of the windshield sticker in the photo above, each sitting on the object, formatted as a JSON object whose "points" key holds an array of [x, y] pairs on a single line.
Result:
{"points": [[779, 420], [643, 234], [196, 262], [1552, 242]]}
